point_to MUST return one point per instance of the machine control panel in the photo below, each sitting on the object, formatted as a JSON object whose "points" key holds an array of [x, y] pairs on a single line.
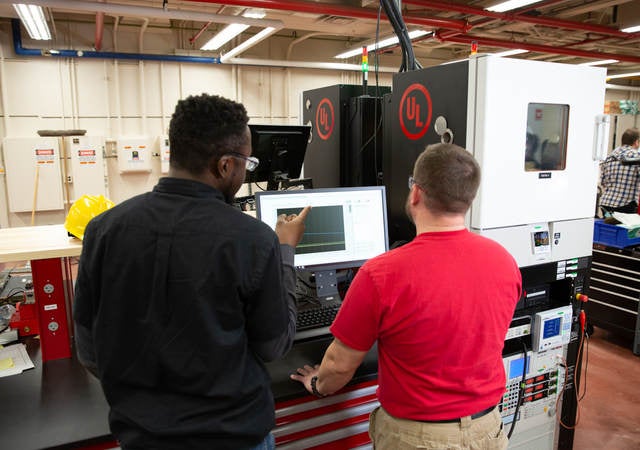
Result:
{"points": [[551, 328]]}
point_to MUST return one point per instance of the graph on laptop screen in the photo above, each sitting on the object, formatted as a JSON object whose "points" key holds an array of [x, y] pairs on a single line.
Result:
{"points": [[346, 226]]}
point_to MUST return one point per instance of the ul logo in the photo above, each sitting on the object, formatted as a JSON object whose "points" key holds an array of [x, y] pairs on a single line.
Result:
{"points": [[325, 119], [415, 111]]}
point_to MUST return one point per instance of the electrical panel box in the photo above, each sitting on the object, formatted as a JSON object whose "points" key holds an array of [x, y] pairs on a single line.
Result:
{"points": [[34, 181], [87, 165], [552, 328], [134, 155], [163, 144]]}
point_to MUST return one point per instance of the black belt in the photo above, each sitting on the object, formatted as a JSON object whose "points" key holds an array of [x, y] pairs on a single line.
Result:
{"points": [[473, 416]]}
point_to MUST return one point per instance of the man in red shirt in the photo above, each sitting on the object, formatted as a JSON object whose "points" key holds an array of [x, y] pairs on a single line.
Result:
{"points": [[439, 308]]}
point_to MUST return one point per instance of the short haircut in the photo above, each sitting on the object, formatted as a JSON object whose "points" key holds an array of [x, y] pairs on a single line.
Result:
{"points": [[449, 176], [203, 127], [630, 136]]}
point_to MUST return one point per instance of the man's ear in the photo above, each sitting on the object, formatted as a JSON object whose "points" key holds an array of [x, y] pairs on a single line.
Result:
{"points": [[219, 167], [415, 195]]}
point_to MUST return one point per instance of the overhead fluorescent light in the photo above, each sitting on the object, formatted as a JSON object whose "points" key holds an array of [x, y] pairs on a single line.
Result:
{"points": [[381, 44], [515, 51], [510, 4], [248, 43], [631, 29], [32, 17], [224, 36], [624, 75], [232, 30], [599, 63]]}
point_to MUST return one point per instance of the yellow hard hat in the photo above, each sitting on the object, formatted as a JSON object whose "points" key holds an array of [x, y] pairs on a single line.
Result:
{"points": [[83, 210]]}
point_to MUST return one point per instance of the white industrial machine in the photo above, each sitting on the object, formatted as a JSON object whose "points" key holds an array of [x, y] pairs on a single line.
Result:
{"points": [[538, 133]]}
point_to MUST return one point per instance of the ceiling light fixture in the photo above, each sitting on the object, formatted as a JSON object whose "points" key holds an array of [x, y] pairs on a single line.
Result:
{"points": [[32, 18], [253, 40], [515, 51], [510, 4], [631, 29], [232, 30], [381, 44], [599, 63], [623, 75]]}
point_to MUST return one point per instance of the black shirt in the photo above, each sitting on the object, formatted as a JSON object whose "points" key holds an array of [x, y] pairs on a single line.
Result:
{"points": [[179, 299]]}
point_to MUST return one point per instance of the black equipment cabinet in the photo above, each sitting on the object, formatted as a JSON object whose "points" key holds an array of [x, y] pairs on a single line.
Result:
{"points": [[614, 292]]}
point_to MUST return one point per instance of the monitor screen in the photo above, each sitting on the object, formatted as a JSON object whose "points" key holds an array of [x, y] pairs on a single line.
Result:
{"points": [[280, 149], [346, 226]]}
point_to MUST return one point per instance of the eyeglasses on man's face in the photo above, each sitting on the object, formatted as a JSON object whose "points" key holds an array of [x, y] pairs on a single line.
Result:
{"points": [[251, 162]]}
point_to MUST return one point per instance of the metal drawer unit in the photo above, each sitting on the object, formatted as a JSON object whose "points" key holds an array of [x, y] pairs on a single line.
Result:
{"points": [[614, 291]]}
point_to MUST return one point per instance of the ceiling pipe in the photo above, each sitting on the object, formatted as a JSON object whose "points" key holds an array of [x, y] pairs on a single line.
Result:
{"points": [[523, 10], [150, 13], [343, 11], [193, 38], [468, 39], [525, 18], [20, 50], [99, 31]]}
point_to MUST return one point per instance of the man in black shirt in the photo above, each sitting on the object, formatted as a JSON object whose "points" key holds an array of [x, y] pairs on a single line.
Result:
{"points": [[180, 298]]}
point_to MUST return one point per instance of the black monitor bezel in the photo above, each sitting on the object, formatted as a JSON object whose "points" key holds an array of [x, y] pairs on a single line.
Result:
{"points": [[264, 172]]}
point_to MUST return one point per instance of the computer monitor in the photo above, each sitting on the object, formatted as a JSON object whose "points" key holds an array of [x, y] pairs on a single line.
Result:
{"points": [[345, 227], [280, 149]]}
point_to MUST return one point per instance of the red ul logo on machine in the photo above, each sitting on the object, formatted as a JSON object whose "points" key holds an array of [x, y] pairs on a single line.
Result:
{"points": [[415, 111], [325, 119]]}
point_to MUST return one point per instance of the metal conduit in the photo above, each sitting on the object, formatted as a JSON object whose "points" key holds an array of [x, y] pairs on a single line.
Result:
{"points": [[468, 39], [340, 10]]}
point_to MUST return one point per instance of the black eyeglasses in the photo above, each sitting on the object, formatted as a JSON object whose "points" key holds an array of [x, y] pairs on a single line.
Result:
{"points": [[251, 162]]}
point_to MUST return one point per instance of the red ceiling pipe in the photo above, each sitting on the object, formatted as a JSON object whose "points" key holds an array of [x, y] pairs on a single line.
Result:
{"points": [[199, 33], [525, 18], [488, 20], [343, 11], [99, 31], [467, 39]]}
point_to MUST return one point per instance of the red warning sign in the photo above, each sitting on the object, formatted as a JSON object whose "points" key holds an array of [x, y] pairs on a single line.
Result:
{"points": [[415, 111], [325, 119]]}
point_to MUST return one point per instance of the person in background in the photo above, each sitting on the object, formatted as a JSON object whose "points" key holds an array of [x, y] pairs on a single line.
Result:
{"points": [[180, 297], [439, 308], [620, 176]]}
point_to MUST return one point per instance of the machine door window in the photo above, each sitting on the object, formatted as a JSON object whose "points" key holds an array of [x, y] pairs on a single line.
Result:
{"points": [[546, 137]]}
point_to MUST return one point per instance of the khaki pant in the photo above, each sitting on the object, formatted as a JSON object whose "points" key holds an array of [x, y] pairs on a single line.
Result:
{"points": [[390, 433]]}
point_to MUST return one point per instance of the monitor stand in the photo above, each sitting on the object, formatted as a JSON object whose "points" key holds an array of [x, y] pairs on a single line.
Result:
{"points": [[321, 287], [327, 285], [280, 180]]}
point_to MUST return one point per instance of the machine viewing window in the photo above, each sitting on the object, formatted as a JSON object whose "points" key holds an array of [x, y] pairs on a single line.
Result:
{"points": [[346, 226], [546, 137]]}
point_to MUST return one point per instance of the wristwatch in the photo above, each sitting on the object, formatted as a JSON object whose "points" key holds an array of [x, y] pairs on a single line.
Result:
{"points": [[314, 389]]}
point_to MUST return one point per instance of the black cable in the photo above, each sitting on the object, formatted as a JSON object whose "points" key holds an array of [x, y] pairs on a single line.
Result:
{"points": [[386, 4], [400, 28], [520, 389]]}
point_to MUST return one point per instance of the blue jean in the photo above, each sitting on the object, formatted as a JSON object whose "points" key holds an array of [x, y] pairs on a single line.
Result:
{"points": [[269, 443]]}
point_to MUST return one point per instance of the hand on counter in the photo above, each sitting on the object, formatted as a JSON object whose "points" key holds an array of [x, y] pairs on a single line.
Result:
{"points": [[304, 375]]}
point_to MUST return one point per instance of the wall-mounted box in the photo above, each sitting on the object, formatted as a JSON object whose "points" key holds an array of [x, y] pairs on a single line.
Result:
{"points": [[163, 144], [87, 165], [34, 180], [134, 155]]}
